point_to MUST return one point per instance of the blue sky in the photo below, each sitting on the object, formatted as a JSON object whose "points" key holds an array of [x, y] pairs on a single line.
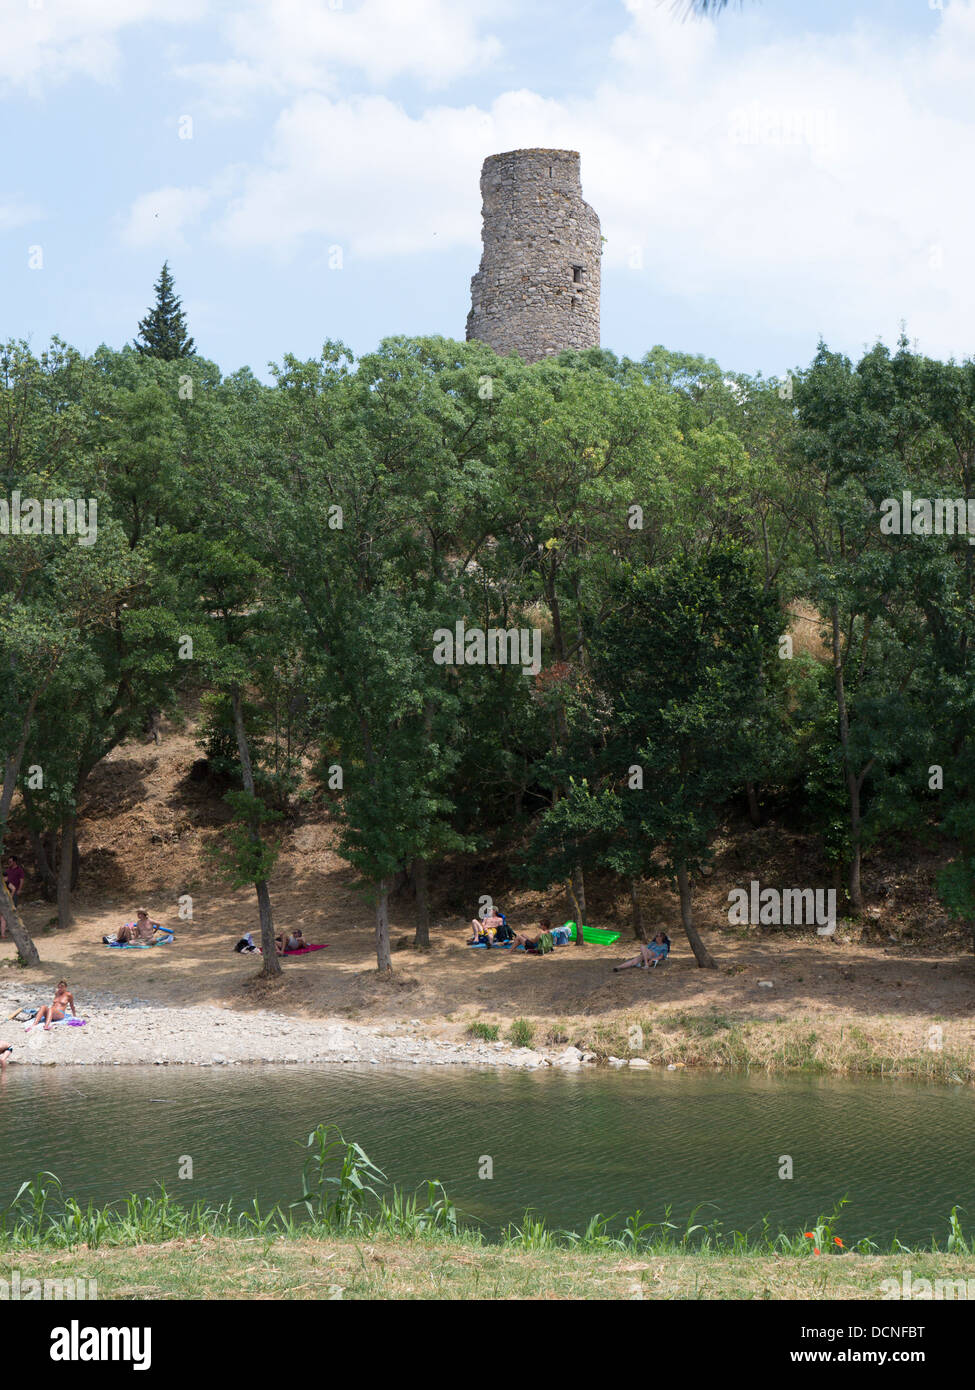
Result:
{"points": [[790, 169]]}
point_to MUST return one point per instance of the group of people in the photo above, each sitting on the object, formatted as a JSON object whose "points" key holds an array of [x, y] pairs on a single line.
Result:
{"points": [[493, 930], [140, 932], [284, 943], [13, 877]]}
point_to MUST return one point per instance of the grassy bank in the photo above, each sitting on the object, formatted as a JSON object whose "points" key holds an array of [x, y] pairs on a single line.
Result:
{"points": [[349, 1235], [716, 1039], [386, 1267]]}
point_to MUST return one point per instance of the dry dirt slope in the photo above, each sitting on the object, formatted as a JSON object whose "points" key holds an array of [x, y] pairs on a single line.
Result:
{"points": [[146, 823]]}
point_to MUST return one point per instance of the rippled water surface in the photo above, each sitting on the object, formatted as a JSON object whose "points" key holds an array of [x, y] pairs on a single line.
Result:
{"points": [[567, 1145]]}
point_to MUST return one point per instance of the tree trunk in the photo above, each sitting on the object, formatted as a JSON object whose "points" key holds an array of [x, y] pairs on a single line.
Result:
{"points": [[754, 814], [383, 956], [639, 930], [577, 889], [580, 886], [574, 909], [271, 965], [701, 953], [11, 769], [25, 947], [421, 885], [852, 781], [65, 870], [49, 883]]}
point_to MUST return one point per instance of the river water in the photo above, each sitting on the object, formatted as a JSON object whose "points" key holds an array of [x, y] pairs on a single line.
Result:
{"points": [[567, 1145]]}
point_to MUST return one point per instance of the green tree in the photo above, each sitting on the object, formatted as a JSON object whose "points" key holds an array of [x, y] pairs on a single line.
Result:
{"points": [[681, 659], [162, 333]]}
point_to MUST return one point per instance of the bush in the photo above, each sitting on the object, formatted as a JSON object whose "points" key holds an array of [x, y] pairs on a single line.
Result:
{"points": [[522, 1032], [487, 1032]]}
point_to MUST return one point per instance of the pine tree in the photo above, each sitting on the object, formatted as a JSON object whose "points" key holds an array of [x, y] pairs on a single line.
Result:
{"points": [[163, 330]]}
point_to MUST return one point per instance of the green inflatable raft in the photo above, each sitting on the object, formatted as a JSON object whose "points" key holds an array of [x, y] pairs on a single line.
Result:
{"points": [[599, 936]]}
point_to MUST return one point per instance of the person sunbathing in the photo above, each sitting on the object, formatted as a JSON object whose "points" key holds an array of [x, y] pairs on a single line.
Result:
{"points": [[486, 929], [539, 945], [139, 931], [295, 942], [5, 1051], [55, 1011], [649, 955]]}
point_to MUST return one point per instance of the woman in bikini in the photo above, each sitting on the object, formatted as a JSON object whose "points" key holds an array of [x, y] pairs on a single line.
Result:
{"points": [[54, 1012]]}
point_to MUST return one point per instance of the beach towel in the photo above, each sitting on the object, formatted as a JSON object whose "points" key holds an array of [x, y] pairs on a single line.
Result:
{"points": [[142, 945], [495, 946], [72, 1022], [304, 951]]}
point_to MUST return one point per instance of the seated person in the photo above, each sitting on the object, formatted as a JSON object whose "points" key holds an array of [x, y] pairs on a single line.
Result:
{"points": [[295, 942], [55, 1011], [141, 930], [649, 955], [539, 945], [486, 929]]}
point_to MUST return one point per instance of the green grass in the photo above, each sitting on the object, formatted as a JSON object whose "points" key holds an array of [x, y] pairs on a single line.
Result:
{"points": [[344, 1195], [387, 1267], [521, 1033], [487, 1032]]}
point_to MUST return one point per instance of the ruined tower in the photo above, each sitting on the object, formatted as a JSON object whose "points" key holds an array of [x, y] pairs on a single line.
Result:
{"points": [[537, 289]]}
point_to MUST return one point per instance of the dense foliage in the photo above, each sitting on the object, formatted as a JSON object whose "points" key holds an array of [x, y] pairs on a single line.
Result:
{"points": [[573, 610]]}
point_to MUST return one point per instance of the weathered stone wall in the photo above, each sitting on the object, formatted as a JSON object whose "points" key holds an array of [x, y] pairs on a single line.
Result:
{"points": [[537, 289]]}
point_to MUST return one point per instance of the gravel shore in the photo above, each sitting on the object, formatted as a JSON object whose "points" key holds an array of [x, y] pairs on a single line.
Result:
{"points": [[137, 1031]]}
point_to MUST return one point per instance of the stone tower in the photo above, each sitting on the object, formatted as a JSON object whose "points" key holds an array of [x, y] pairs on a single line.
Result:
{"points": [[537, 289]]}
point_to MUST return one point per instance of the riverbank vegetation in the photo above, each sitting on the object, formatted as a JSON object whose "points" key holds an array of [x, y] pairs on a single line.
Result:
{"points": [[352, 1235]]}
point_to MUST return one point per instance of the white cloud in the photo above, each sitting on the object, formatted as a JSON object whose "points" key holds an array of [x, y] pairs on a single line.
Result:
{"points": [[817, 180], [44, 41], [160, 218], [308, 45]]}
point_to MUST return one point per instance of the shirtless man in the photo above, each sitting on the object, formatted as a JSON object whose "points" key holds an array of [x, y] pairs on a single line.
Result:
{"points": [[54, 1012], [487, 928], [139, 930], [5, 1050]]}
